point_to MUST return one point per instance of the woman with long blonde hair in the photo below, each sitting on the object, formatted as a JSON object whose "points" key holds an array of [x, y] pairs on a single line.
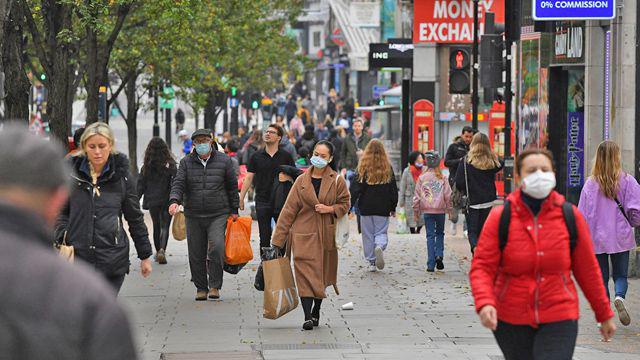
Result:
{"points": [[476, 177], [610, 203], [375, 194]]}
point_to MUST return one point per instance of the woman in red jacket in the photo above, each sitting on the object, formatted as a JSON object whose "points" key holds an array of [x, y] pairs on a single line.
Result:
{"points": [[523, 290]]}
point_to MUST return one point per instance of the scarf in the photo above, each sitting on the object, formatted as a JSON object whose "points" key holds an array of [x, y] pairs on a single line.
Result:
{"points": [[415, 172]]}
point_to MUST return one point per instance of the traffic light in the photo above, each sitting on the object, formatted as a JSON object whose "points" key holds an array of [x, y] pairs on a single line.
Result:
{"points": [[381, 102], [43, 77], [234, 91], [492, 63], [459, 76], [255, 101]]}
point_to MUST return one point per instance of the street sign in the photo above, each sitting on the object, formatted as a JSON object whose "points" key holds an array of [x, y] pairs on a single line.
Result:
{"points": [[390, 55], [233, 102], [378, 90], [167, 99], [545, 10]]}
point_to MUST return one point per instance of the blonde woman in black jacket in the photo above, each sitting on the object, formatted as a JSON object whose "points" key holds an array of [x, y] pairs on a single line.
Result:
{"points": [[101, 194], [481, 166]]}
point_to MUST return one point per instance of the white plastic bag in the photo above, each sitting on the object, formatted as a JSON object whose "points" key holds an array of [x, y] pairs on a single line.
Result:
{"points": [[342, 231], [401, 225]]}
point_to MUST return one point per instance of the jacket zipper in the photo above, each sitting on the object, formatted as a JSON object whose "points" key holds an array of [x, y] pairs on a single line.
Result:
{"points": [[535, 231], [118, 230], [566, 288]]}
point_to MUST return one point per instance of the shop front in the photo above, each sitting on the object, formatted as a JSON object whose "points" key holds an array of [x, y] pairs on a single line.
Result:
{"points": [[551, 100]]}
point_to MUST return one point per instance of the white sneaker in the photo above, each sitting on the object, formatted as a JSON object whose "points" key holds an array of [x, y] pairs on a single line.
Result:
{"points": [[466, 234], [379, 258], [372, 268], [454, 229], [623, 315]]}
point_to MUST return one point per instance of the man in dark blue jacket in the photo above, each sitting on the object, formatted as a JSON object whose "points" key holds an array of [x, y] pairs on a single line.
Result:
{"points": [[207, 185]]}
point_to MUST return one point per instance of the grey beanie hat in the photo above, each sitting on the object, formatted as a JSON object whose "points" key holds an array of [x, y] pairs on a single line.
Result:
{"points": [[432, 159]]}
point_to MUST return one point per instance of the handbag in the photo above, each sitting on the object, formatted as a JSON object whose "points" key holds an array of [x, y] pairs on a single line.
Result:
{"points": [[342, 227], [67, 252]]}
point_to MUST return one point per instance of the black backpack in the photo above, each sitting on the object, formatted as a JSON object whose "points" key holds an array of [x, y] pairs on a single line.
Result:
{"points": [[567, 212]]}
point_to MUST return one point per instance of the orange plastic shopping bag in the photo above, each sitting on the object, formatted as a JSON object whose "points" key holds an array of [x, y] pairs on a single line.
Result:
{"points": [[237, 244]]}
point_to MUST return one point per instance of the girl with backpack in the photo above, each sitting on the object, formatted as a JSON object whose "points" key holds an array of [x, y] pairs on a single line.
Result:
{"points": [[610, 202], [433, 199], [521, 271]]}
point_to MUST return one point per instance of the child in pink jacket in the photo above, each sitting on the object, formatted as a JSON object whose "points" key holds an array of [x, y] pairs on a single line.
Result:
{"points": [[432, 199]]}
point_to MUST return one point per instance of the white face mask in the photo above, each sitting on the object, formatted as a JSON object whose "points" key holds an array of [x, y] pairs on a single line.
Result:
{"points": [[539, 184]]}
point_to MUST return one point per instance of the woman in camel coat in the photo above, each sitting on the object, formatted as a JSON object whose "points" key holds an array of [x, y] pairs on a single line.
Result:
{"points": [[316, 201]]}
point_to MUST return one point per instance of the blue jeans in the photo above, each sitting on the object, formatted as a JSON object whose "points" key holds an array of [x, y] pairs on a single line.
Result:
{"points": [[434, 223], [619, 269]]}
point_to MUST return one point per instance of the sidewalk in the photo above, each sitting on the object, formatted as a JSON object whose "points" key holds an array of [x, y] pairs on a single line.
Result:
{"points": [[401, 312]]}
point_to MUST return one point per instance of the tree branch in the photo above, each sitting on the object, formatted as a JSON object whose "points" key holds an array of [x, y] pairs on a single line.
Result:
{"points": [[123, 11], [124, 82], [36, 36]]}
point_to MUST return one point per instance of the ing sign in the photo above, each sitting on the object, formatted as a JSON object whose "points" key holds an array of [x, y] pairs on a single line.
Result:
{"points": [[451, 21]]}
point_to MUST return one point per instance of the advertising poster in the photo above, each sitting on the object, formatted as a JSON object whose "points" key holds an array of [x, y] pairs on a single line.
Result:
{"points": [[529, 120], [543, 108], [575, 130]]}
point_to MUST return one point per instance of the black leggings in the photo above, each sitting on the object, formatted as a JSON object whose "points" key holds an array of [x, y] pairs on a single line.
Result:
{"points": [[161, 222], [415, 230], [307, 303], [550, 341]]}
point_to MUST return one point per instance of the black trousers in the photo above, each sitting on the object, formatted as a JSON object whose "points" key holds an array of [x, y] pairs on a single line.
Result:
{"points": [[475, 220], [265, 214], [116, 282], [550, 341], [161, 222]]}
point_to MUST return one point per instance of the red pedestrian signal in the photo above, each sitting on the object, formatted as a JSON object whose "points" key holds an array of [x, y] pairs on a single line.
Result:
{"points": [[459, 75]]}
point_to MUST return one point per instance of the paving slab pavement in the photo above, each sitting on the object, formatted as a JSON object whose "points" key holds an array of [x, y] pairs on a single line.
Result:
{"points": [[402, 312]]}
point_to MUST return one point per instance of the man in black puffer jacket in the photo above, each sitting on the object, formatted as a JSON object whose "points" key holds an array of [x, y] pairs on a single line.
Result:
{"points": [[207, 185]]}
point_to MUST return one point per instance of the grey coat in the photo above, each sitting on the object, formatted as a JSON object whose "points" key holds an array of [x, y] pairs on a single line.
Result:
{"points": [[407, 190], [52, 309]]}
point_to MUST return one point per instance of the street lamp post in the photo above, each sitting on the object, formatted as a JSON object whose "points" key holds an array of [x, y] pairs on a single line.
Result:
{"points": [[156, 126], [474, 95]]}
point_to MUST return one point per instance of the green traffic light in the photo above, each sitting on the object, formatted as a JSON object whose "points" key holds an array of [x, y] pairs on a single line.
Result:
{"points": [[255, 104], [234, 91], [43, 76], [381, 102]]}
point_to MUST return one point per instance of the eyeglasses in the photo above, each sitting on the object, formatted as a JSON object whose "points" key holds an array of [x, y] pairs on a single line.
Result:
{"points": [[271, 132]]}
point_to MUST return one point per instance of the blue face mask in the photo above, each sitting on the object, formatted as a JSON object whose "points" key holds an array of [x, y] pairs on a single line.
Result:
{"points": [[319, 162], [203, 149]]}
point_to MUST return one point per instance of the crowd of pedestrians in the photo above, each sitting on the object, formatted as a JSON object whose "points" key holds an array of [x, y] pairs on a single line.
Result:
{"points": [[303, 175]]}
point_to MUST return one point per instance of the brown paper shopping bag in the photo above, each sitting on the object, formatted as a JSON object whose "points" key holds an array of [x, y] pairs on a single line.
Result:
{"points": [[179, 226], [280, 294]]}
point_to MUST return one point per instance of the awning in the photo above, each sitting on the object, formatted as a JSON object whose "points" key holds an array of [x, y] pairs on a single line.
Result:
{"points": [[358, 38], [395, 91]]}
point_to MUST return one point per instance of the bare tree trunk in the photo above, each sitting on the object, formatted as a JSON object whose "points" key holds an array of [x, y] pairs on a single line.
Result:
{"points": [[196, 114], [17, 91], [131, 119], [210, 110], [98, 54]]}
